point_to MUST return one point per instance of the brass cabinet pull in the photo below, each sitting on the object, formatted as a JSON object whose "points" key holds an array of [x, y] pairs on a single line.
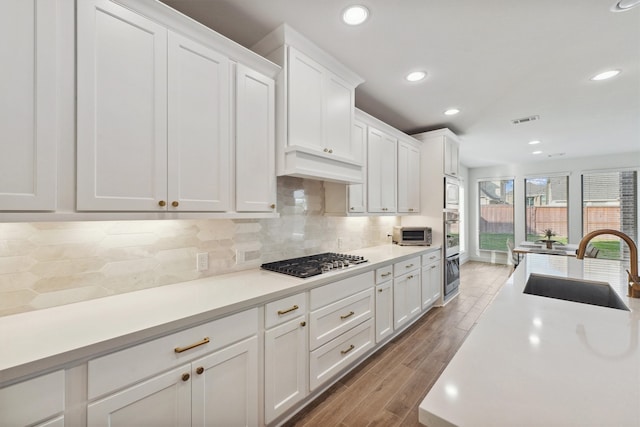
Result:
{"points": [[410, 277], [199, 370], [351, 347], [185, 377], [303, 324], [289, 310], [409, 266], [205, 340], [433, 266], [410, 209], [272, 205], [432, 257], [385, 274], [345, 316], [379, 290], [352, 208], [175, 204], [162, 203]]}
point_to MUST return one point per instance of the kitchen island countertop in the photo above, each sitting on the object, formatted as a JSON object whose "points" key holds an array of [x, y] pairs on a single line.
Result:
{"points": [[537, 361], [42, 340]]}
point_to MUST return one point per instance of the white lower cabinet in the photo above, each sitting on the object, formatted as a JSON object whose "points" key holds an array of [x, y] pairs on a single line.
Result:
{"points": [[407, 301], [341, 327], [35, 402], [337, 354], [384, 302], [285, 355], [205, 375], [431, 279]]}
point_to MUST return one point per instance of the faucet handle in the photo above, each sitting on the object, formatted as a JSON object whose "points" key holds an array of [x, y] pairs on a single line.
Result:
{"points": [[634, 286]]}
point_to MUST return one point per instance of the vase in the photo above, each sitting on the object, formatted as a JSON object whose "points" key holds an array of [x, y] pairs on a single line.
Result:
{"points": [[549, 244]]}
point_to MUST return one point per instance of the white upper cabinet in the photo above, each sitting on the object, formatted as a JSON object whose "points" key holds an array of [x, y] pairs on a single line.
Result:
{"points": [[28, 105], [122, 109], [315, 103], [381, 172], [255, 141], [156, 105], [199, 140], [408, 177], [451, 164]]}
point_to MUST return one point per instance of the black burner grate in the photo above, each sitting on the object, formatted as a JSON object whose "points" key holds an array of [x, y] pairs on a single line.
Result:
{"points": [[313, 265]]}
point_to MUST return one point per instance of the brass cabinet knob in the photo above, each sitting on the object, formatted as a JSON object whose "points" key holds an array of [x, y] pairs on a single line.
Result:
{"points": [[162, 203], [352, 208], [185, 377], [272, 205], [199, 370], [326, 150], [303, 324], [330, 151], [379, 290], [175, 204]]}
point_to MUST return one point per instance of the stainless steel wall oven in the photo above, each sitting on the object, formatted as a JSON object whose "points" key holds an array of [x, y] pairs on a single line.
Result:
{"points": [[452, 252]]}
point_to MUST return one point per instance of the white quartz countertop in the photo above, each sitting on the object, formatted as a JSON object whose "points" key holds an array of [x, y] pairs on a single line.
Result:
{"points": [[537, 361], [42, 340]]}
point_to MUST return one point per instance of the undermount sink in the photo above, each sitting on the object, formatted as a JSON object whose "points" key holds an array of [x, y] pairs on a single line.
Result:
{"points": [[582, 291]]}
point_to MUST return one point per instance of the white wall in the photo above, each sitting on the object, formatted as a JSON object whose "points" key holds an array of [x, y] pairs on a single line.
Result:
{"points": [[573, 167]]}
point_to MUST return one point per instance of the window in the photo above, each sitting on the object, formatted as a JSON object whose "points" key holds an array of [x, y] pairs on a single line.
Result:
{"points": [[610, 200], [546, 207], [496, 214]]}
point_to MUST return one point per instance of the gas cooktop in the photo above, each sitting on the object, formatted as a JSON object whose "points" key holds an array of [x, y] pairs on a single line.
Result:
{"points": [[313, 265]]}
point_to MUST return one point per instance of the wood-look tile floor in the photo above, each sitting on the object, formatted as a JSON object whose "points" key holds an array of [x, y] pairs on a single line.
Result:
{"points": [[387, 389]]}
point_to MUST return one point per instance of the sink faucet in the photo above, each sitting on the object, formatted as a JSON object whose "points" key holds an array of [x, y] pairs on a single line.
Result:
{"points": [[634, 281]]}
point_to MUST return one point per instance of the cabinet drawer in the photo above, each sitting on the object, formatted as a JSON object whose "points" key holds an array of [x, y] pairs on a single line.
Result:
{"points": [[402, 267], [383, 274], [284, 309], [334, 356], [335, 319], [32, 401], [324, 295], [430, 257], [116, 370]]}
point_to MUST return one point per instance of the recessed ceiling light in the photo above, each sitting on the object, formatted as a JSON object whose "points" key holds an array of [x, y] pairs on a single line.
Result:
{"points": [[451, 112], [605, 75], [355, 15], [416, 76], [537, 152], [624, 5], [534, 142]]}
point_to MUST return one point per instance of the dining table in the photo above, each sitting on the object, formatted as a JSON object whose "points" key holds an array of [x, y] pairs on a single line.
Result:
{"points": [[540, 247]]}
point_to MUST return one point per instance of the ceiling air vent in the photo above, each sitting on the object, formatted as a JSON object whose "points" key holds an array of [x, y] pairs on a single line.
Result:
{"points": [[525, 120]]}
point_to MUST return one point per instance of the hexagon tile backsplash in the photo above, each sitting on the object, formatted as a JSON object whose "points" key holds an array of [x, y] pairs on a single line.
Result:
{"points": [[49, 264]]}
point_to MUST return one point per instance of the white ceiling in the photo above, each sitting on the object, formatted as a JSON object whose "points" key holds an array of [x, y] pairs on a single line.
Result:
{"points": [[495, 60]]}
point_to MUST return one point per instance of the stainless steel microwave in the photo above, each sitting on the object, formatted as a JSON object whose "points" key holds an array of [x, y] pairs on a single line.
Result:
{"points": [[411, 236]]}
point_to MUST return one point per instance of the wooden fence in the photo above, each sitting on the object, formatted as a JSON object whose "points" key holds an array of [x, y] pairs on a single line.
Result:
{"points": [[498, 219]]}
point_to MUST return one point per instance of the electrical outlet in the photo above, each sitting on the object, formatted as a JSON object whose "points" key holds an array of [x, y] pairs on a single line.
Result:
{"points": [[239, 257], [202, 261], [339, 242]]}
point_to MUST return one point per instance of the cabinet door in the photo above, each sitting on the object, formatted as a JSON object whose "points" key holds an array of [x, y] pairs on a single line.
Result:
{"points": [[121, 109], [435, 281], [285, 367], [451, 160], [28, 105], [305, 102], [225, 386], [32, 401], [408, 178], [164, 400], [339, 104], [198, 100], [356, 192], [255, 141], [406, 298], [384, 310], [381, 172]]}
